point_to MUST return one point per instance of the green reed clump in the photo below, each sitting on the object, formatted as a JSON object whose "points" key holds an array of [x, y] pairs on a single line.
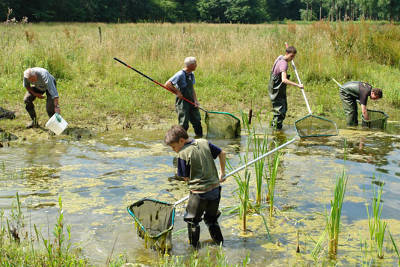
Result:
{"points": [[333, 221], [260, 147], [209, 258], [273, 165], [332, 227], [377, 226]]}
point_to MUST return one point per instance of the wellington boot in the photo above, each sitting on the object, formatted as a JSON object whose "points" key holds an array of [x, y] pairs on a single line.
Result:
{"points": [[215, 233], [194, 235], [33, 124]]}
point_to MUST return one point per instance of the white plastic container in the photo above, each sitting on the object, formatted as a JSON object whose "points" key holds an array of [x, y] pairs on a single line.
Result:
{"points": [[56, 124]]}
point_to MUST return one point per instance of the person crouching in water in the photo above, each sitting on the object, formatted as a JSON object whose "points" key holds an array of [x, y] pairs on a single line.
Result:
{"points": [[182, 84], [38, 81], [350, 93], [196, 165]]}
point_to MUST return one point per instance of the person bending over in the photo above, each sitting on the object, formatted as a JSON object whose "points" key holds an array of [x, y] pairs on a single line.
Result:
{"points": [[354, 91], [38, 81]]}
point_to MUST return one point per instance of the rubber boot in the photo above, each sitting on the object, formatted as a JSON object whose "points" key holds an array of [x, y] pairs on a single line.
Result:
{"points": [[215, 233], [194, 235], [33, 124]]}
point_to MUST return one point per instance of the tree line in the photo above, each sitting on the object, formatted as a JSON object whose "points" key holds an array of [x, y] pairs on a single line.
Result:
{"points": [[215, 11]]}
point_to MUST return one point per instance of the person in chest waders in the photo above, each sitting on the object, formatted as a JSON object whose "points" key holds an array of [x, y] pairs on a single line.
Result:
{"points": [[279, 79], [182, 84], [350, 93]]}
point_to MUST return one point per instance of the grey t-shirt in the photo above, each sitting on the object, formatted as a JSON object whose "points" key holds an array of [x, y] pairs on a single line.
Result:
{"points": [[281, 65], [45, 82], [179, 79]]}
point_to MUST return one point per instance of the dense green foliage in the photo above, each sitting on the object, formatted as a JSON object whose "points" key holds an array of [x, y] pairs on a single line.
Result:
{"points": [[243, 11]]}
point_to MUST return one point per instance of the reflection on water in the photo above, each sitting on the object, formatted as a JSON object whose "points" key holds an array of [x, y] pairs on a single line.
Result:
{"points": [[98, 178]]}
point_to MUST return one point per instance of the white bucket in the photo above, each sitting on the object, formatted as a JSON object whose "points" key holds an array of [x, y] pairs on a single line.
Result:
{"points": [[56, 124]]}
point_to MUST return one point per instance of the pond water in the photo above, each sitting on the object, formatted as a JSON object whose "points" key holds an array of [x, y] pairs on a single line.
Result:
{"points": [[98, 178]]}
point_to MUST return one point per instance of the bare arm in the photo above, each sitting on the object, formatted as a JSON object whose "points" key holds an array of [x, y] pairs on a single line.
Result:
{"points": [[170, 86], [287, 81], [364, 112], [56, 107], [222, 159], [30, 90]]}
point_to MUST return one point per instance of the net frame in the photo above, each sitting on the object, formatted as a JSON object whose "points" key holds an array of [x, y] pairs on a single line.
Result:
{"points": [[142, 227], [378, 123], [315, 135], [237, 125]]}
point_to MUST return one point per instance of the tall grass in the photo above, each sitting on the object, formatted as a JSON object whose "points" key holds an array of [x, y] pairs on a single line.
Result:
{"points": [[232, 63], [377, 226]]}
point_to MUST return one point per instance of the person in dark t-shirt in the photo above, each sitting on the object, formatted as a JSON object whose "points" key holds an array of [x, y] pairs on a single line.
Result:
{"points": [[350, 93]]}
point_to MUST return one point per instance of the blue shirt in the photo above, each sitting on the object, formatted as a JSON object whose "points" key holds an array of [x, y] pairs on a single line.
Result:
{"points": [[184, 167], [179, 79]]}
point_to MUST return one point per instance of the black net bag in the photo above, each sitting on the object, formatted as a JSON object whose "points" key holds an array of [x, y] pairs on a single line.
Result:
{"points": [[377, 119], [154, 221]]}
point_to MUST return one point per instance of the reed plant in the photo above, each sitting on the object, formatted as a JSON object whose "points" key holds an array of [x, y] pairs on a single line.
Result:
{"points": [[333, 220], [273, 166], [377, 227], [260, 147], [333, 217], [396, 249]]}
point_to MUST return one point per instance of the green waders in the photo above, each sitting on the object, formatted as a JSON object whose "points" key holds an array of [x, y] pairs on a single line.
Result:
{"points": [[349, 95], [277, 93], [186, 111]]}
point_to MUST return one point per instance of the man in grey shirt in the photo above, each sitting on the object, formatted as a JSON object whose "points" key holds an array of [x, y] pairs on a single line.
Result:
{"points": [[38, 81]]}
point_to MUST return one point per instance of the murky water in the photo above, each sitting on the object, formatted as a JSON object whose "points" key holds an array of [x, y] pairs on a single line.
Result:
{"points": [[98, 178]]}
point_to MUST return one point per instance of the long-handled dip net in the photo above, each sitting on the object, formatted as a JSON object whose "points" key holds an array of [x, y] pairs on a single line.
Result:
{"points": [[312, 125], [154, 220], [377, 119], [219, 124]]}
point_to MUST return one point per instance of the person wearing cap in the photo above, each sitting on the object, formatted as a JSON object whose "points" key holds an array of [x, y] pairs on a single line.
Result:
{"points": [[279, 79], [354, 91], [38, 81], [182, 84]]}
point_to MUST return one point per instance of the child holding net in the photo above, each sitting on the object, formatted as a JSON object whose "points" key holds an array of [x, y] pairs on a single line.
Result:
{"points": [[196, 165]]}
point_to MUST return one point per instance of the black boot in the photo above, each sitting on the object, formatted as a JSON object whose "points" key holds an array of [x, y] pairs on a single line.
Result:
{"points": [[215, 233], [33, 124], [194, 234]]}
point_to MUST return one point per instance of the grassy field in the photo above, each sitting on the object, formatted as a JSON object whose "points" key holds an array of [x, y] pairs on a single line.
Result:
{"points": [[233, 67]]}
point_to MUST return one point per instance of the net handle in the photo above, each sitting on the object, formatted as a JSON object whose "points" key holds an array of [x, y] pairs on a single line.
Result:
{"points": [[248, 164], [154, 81], [333, 79], [298, 79]]}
